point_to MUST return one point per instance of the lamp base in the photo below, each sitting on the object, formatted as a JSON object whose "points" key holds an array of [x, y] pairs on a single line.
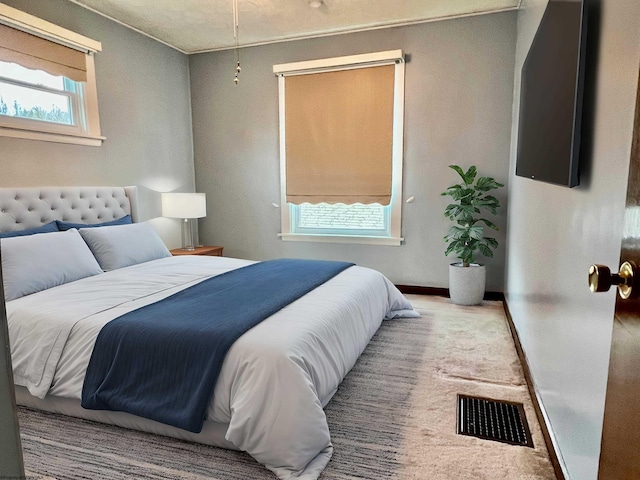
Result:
{"points": [[187, 234]]}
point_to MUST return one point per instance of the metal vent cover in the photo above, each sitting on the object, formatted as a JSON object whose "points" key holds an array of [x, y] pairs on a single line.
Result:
{"points": [[496, 420]]}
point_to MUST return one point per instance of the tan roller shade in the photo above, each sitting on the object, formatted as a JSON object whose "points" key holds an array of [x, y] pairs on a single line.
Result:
{"points": [[339, 136], [40, 54]]}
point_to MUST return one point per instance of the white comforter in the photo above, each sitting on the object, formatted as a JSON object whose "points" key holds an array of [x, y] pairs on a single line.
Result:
{"points": [[275, 379]]}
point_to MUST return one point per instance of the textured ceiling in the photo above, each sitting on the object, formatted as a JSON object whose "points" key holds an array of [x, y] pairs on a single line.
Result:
{"points": [[200, 25]]}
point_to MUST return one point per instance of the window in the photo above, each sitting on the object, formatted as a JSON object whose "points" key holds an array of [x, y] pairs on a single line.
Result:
{"points": [[356, 219], [341, 123], [47, 81]]}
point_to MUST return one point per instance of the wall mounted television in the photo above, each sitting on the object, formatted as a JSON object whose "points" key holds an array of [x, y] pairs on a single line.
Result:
{"points": [[551, 96]]}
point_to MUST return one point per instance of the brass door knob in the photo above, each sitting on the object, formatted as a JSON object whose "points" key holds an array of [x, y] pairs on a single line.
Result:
{"points": [[601, 278]]}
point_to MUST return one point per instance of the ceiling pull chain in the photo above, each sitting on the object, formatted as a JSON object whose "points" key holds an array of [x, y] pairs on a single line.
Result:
{"points": [[235, 37]]}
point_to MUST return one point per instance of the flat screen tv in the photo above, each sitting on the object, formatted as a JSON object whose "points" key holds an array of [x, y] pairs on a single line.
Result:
{"points": [[551, 96]]}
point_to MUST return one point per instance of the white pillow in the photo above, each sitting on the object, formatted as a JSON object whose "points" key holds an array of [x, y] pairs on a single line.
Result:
{"points": [[123, 245], [36, 262]]}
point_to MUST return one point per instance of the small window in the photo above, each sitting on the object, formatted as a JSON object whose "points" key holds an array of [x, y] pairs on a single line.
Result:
{"points": [[341, 134], [35, 95], [47, 81]]}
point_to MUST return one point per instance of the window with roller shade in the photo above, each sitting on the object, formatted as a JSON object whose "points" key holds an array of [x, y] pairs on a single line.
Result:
{"points": [[47, 81], [341, 148]]}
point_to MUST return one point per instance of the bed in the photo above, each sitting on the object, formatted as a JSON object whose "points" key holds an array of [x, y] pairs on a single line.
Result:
{"points": [[276, 377]]}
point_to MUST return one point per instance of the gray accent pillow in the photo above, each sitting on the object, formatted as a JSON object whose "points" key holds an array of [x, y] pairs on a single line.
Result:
{"points": [[124, 245], [33, 263]]}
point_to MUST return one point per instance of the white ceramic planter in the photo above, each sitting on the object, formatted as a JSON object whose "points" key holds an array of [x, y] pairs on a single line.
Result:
{"points": [[466, 284]]}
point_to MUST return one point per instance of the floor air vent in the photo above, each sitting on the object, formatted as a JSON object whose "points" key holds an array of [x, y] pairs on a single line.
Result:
{"points": [[493, 420]]}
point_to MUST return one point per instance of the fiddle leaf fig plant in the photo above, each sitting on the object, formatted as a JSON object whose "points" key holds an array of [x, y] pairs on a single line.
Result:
{"points": [[471, 200]]}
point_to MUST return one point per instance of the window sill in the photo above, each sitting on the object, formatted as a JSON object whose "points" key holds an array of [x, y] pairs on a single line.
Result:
{"points": [[51, 137], [297, 237]]}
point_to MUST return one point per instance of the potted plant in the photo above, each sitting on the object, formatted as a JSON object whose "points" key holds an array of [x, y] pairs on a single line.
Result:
{"points": [[466, 238]]}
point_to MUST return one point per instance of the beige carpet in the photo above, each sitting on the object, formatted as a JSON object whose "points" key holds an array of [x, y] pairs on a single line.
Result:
{"points": [[469, 350], [392, 418]]}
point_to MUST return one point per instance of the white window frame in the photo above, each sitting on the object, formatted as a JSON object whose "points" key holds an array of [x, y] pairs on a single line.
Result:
{"points": [[395, 206], [85, 109]]}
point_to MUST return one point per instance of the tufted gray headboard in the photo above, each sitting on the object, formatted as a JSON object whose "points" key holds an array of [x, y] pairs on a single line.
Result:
{"points": [[22, 208]]}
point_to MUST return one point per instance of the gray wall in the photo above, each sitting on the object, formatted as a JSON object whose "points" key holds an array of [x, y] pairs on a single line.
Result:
{"points": [[555, 233], [145, 113], [459, 84]]}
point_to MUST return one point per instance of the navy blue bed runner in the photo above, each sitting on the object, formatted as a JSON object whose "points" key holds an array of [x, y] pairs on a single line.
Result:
{"points": [[162, 361]]}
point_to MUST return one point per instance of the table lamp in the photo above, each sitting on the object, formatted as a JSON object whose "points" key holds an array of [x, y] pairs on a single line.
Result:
{"points": [[187, 206]]}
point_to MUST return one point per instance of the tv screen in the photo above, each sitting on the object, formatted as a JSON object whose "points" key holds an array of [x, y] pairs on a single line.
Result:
{"points": [[551, 97]]}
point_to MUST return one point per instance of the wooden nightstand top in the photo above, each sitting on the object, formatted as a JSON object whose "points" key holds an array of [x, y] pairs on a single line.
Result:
{"points": [[212, 251]]}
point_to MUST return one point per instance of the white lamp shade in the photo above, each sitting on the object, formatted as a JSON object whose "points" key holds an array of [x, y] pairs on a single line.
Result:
{"points": [[184, 205]]}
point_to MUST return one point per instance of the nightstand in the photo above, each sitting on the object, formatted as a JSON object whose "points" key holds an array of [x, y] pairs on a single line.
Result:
{"points": [[206, 251]]}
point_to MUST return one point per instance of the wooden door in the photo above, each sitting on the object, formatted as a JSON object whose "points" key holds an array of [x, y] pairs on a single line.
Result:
{"points": [[620, 451], [10, 452]]}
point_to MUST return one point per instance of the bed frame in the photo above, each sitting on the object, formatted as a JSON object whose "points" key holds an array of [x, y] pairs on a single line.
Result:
{"points": [[30, 207], [22, 208]]}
